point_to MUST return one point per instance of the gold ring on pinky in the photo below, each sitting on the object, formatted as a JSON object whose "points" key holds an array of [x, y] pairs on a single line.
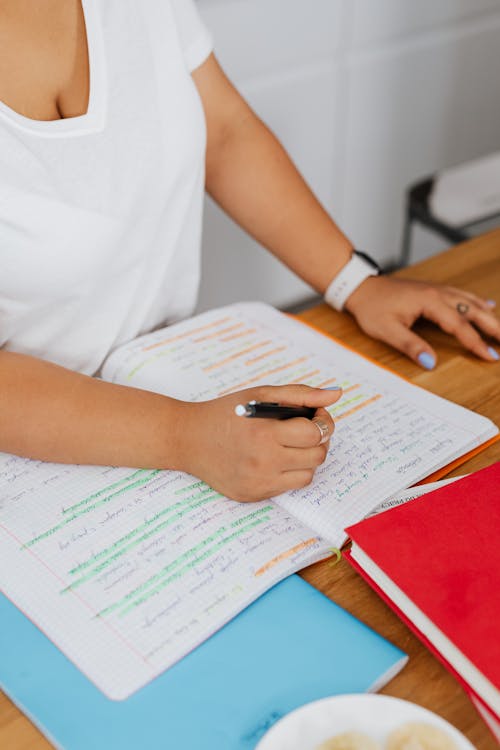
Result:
{"points": [[462, 308], [323, 430]]}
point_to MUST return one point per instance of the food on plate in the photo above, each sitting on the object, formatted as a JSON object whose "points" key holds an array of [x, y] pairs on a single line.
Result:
{"points": [[419, 736], [349, 741]]}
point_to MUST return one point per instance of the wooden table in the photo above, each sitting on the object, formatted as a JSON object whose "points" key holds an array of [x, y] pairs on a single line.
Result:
{"points": [[461, 377]]}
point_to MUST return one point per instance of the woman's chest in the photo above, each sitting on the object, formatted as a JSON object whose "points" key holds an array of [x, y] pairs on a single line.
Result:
{"points": [[44, 65], [89, 201]]}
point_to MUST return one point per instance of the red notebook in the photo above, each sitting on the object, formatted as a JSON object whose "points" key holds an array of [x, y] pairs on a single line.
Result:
{"points": [[436, 561], [488, 718]]}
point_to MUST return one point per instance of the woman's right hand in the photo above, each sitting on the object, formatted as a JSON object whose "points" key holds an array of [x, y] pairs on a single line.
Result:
{"points": [[253, 459]]}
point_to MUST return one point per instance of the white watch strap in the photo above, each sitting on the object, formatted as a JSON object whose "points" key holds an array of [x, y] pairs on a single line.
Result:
{"points": [[347, 280]]}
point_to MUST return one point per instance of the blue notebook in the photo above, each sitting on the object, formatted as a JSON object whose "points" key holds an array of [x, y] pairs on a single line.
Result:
{"points": [[292, 646]]}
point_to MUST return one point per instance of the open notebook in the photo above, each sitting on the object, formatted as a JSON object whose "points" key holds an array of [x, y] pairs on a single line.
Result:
{"points": [[127, 570]]}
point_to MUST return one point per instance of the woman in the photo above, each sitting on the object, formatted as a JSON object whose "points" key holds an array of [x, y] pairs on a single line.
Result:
{"points": [[115, 116]]}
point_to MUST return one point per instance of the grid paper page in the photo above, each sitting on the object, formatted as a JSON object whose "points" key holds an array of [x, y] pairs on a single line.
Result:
{"points": [[128, 570]]}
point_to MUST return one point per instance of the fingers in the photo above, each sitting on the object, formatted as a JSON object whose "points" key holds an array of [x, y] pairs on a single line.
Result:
{"points": [[405, 340], [440, 306], [485, 321], [291, 458], [253, 459], [452, 322], [295, 459], [303, 433], [291, 468], [483, 304], [297, 395], [389, 308], [470, 309], [295, 480]]}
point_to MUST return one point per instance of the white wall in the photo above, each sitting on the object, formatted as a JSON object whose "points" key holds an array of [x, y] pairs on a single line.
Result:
{"points": [[367, 96]]}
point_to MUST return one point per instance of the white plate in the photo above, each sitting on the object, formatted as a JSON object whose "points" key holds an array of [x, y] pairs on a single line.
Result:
{"points": [[376, 715]]}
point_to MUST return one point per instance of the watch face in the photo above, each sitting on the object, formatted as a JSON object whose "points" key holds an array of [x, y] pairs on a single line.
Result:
{"points": [[368, 259]]}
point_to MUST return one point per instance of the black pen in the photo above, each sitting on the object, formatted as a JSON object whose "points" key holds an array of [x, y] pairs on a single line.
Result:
{"points": [[269, 410]]}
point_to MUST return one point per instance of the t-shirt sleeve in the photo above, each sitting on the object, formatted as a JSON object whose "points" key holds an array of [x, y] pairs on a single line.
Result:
{"points": [[196, 40]]}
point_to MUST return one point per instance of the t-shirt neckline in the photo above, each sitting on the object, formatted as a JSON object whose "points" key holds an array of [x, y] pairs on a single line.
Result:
{"points": [[93, 119]]}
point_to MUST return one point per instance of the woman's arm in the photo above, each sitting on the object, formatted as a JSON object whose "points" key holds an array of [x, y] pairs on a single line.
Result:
{"points": [[54, 414], [50, 413], [250, 175], [252, 178]]}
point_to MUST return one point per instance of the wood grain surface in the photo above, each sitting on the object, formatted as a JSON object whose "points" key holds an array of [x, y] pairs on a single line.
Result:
{"points": [[459, 376]]}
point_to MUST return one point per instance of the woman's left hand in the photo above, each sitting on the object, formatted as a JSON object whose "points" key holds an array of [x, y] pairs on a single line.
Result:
{"points": [[386, 308]]}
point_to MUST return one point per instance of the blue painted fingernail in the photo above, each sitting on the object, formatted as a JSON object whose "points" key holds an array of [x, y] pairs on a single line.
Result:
{"points": [[332, 388], [427, 360], [493, 353], [491, 303]]}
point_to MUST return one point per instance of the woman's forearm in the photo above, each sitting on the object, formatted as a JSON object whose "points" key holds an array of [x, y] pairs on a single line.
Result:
{"points": [[53, 414], [50, 413], [252, 178]]}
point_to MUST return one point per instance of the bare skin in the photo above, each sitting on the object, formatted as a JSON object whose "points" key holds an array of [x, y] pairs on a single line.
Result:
{"points": [[54, 414], [44, 71]]}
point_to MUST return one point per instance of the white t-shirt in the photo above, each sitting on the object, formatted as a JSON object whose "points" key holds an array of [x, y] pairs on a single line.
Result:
{"points": [[100, 215]]}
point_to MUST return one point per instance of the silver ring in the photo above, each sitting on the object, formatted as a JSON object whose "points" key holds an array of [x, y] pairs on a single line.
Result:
{"points": [[462, 308], [323, 430]]}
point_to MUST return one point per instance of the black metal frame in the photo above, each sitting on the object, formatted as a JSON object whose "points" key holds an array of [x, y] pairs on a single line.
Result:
{"points": [[417, 209]]}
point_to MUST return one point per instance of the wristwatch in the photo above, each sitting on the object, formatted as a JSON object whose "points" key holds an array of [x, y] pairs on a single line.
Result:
{"points": [[355, 271]]}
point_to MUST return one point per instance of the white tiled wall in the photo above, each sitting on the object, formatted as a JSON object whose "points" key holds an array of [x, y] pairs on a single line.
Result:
{"points": [[367, 96], [380, 21]]}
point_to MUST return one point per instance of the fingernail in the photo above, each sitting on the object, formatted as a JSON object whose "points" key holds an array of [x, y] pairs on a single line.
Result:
{"points": [[333, 388], [427, 360], [493, 353], [491, 303]]}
